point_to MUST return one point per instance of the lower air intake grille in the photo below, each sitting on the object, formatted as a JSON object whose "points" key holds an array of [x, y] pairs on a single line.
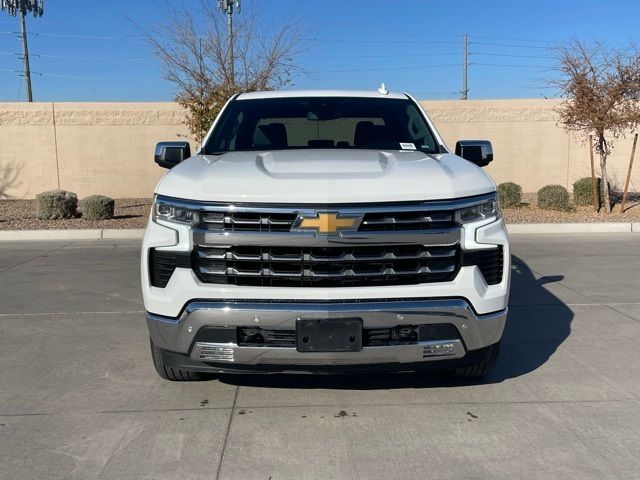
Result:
{"points": [[490, 263], [162, 264]]}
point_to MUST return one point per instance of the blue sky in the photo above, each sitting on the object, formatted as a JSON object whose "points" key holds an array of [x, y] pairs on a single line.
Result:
{"points": [[91, 50]]}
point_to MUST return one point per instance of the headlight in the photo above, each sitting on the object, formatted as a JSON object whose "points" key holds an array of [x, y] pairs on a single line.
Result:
{"points": [[487, 210], [169, 213]]}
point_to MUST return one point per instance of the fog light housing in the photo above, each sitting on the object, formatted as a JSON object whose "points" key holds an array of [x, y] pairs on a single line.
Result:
{"points": [[252, 335], [406, 333]]}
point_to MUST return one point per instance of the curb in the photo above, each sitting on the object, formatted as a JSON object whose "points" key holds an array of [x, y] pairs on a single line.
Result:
{"points": [[612, 227], [71, 234], [136, 234]]}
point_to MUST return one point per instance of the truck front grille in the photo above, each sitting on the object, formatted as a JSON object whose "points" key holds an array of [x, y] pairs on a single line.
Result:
{"points": [[408, 220], [271, 221], [249, 221], [326, 266]]}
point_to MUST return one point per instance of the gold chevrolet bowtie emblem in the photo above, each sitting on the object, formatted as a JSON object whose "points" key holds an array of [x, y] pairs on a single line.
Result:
{"points": [[328, 223]]}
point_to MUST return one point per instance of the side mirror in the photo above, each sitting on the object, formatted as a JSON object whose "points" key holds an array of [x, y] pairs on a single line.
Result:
{"points": [[169, 154], [479, 152]]}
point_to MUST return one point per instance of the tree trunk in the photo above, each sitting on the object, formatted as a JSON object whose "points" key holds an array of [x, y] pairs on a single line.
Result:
{"points": [[605, 182]]}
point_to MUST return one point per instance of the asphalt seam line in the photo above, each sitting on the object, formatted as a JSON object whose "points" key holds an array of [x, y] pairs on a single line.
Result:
{"points": [[2, 270], [341, 405], [227, 431]]}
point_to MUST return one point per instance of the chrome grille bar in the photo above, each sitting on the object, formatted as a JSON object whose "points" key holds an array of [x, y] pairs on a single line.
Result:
{"points": [[333, 266], [219, 254], [310, 273], [443, 236]]}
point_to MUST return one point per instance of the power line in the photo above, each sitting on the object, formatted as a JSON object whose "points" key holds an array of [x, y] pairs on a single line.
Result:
{"points": [[507, 65], [75, 57], [93, 37], [78, 36], [398, 42], [508, 55], [79, 77], [509, 45], [465, 63], [515, 39], [381, 56], [392, 68]]}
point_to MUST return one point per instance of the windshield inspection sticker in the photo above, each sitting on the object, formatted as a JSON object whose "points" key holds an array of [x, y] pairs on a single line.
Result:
{"points": [[407, 146]]}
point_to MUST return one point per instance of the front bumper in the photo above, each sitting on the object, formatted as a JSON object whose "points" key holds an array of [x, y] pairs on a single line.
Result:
{"points": [[177, 336]]}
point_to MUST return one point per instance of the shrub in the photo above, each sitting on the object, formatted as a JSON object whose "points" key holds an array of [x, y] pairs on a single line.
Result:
{"points": [[97, 207], [56, 204], [510, 194], [553, 197], [582, 194]]}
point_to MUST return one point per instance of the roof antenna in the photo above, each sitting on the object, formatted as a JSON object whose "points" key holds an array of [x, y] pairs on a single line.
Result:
{"points": [[383, 90]]}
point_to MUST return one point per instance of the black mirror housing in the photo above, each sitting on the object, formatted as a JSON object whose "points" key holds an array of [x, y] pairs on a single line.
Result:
{"points": [[169, 154], [479, 152]]}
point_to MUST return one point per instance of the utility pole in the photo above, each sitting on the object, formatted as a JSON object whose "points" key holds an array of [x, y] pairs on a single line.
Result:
{"points": [[465, 67], [21, 7], [25, 55], [228, 7]]}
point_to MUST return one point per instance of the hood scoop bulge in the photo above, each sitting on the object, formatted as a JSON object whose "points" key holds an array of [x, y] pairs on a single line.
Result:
{"points": [[299, 164]]}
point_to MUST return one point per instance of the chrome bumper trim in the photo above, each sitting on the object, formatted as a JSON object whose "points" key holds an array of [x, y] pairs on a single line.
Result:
{"points": [[177, 334], [421, 351]]}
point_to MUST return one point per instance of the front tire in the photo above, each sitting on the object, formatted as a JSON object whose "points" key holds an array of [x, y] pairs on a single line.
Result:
{"points": [[481, 369], [171, 373]]}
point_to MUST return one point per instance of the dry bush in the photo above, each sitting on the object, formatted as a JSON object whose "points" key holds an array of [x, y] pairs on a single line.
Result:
{"points": [[97, 207], [553, 197], [56, 205]]}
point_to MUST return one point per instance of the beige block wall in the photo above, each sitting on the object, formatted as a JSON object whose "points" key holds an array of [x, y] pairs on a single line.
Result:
{"points": [[104, 148], [107, 148], [529, 147]]}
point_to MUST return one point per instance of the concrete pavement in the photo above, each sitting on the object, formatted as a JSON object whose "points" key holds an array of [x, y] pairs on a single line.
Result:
{"points": [[79, 398]]}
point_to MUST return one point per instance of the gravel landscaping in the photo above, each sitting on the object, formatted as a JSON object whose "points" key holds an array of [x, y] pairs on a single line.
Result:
{"points": [[20, 215], [133, 213], [528, 212]]}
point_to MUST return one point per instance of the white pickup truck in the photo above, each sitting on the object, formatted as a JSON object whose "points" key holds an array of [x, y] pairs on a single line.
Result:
{"points": [[324, 231]]}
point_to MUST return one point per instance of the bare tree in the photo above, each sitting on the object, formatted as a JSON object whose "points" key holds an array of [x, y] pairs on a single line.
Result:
{"points": [[601, 91], [193, 48], [8, 179]]}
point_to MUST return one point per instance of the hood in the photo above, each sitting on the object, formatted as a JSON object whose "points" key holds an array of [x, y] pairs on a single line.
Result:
{"points": [[324, 176]]}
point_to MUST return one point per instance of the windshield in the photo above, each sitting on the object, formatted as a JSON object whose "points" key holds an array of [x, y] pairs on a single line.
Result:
{"points": [[321, 122]]}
